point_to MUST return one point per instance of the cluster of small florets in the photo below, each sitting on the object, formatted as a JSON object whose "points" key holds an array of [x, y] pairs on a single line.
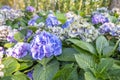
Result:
{"points": [[4, 31], [7, 13]]}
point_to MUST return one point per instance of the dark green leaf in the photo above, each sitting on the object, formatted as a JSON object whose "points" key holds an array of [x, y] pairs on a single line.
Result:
{"points": [[44, 61], [25, 65], [83, 45], [104, 65], [85, 60], [67, 54], [45, 72], [101, 43], [108, 51], [67, 73]]}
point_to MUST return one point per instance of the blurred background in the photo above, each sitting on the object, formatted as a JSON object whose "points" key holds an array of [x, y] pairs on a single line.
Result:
{"points": [[62, 5]]}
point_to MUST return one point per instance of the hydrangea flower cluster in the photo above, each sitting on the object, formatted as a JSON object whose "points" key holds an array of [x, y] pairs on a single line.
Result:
{"points": [[45, 44], [32, 22], [51, 21], [4, 30], [30, 9], [110, 28], [78, 28], [20, 50], [7, 13], [99, 18], [10, 36]]}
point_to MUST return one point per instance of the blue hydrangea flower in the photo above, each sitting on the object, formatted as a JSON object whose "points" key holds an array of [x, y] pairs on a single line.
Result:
{"points": [[67, 23], [29, 34], [6, 7], [51, 21], [10, 36], [30, 75], [45, 44], [106, 28], [99, 18], [32, 22], [30, 9], [19, 50]]}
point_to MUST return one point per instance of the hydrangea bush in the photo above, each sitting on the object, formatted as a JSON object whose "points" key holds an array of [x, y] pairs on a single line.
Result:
{"points": [[39, 45]]}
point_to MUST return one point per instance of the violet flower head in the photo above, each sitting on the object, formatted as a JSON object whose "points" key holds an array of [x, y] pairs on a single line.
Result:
{"points": [[30, 9], [30, 75], [19, 50], [106, 28], [10, 36], [52, 21], [67, 23], [45, 44], [99, 18], [32, 22], [6, 7]]}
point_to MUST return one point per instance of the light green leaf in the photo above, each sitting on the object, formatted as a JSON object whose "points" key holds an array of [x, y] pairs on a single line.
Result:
{"points": [[61, 17], [11, 65], [8, 45], [101, 43], [83, 45], [85, 60], [89, 76], [45, 72], [67, 54], [19, 37]]}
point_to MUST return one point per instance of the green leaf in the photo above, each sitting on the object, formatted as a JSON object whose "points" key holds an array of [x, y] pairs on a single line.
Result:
{"points": [[83, 45], [33, 28], [67, 73], [19, 37], [108, 51], [25, 65], [85, 60], [6, 78], [67, 54], [104, 65], [101, 43], [44, 61], [11, 65], [89, 76], [8, 45], [19, 76], [45, 72], [61, 17]]}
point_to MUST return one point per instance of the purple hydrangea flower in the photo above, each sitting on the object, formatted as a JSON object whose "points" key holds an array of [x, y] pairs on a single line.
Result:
{"points": [[30, 75], [32, 22], [45, 44], [10, 36], [19, 50], [99, 18], [30, 9], [67, 23], [29, 34], [106, 28], [52, 21], [6, 7]]}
